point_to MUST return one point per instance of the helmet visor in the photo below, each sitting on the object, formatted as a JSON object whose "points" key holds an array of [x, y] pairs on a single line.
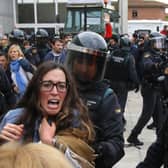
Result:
{"points": [[158, 43], [85, 50], [86, 67]]}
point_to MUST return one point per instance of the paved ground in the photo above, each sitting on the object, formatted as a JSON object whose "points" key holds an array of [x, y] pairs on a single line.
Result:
{"points": [[134, 155]]}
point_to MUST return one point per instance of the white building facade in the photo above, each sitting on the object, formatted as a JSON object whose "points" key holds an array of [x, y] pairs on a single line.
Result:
{"points": [[6, 16], [30, 15]]}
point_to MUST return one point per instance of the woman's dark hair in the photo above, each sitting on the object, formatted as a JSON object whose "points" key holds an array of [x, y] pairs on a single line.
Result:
{"points": [[30, 102]]}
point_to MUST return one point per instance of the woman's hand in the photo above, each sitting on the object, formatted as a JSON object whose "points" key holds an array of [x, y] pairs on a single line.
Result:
{"points": [[16, 89], [47, 131], [11, 132]]}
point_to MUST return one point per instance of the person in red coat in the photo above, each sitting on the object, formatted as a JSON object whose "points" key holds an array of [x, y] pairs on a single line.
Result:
{"points": [[164, 30], [108, 31]]}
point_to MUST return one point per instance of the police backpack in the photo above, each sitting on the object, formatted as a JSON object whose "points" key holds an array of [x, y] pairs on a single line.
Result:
{"points": [[118, 66]]}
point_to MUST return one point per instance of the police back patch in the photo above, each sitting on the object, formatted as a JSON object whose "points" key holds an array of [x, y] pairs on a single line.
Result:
{"points": [[118, 110]]}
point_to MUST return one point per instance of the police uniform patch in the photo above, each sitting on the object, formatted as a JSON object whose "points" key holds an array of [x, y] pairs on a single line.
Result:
{"points": [[118, 110], [146, 55]]}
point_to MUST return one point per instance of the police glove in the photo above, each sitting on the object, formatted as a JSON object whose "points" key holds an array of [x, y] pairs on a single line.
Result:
{"points": [[161, 65], [98, 150]]}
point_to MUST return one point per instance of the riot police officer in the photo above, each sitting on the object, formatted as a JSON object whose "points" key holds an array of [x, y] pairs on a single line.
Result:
{"points": [[32, 55], [86, 59], [41, 43], [121, 71], [16, 36], [157, 154], [151, 95], [40, 48]]}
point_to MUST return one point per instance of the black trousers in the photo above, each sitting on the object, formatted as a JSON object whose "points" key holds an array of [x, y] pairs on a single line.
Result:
{"points": [[152, 104]]}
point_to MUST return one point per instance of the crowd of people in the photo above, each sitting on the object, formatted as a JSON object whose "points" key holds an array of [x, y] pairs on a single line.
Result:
{"points": [[70, 93]]}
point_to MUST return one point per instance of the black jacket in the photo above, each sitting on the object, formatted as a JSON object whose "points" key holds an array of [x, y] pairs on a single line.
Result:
{"points": [[7, 97], [157, 154], [106, 115]]}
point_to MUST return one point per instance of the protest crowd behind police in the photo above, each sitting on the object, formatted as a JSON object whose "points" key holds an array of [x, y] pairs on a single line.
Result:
{"points": [[133, 64]]}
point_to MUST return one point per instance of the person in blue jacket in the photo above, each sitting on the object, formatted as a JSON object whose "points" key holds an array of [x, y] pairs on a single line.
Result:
{"points": [[20, 70], [57, 54]]}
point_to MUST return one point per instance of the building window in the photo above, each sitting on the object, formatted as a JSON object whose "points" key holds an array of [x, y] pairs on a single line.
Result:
{"points": [[25, 13], [134, 13], [46, 13], [62, 12]]}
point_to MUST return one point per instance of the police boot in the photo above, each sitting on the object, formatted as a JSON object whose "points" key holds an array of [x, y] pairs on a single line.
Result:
{"points": [[133, 139]]}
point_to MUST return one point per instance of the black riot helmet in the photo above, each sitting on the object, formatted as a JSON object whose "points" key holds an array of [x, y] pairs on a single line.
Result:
{"points": [[16, 36], [42, 33], [86, 57], [41, 37], [157, 41], [125, 42]]}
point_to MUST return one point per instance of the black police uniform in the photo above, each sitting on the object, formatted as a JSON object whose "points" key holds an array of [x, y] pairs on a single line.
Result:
{"points": [[41, 44], [86, 59], [151, 96], [121, 71], [135, 51], [157, 154], [42, 51], [7, 96], [32, 55], [106, 115]]}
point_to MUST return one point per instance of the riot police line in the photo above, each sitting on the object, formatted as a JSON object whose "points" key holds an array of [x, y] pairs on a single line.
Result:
{"points": [[121, 71], [124, 70], [117, 69], [149, 67], [153, 68], [86, 57]]}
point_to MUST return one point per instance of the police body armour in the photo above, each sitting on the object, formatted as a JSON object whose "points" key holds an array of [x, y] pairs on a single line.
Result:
{"points": [[118, 66]]}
